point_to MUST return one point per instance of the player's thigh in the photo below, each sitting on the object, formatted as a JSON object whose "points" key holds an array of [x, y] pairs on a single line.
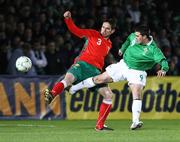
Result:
{"points": [[103, 78], [82, 71], [116, 71], [136, 77]]}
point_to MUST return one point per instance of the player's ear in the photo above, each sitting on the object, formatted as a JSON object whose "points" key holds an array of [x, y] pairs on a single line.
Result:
{"points": [[113, 30], [144, 36]]}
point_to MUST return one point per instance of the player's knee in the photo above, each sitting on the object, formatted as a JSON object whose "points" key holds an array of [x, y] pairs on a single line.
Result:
{"points": [[68, 82], [106, 92], [69, 79], [108, 95], [136, 96], [98, 80]]}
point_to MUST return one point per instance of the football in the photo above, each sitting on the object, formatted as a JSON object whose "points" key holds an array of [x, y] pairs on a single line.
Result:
{"points": [[23, 64]]}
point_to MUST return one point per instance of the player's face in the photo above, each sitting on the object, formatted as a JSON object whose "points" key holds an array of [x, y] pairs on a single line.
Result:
{"points": [[106, 30], [139, 37]]}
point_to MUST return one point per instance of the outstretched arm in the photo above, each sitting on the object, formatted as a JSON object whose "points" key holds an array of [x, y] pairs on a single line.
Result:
{"points": [[74, 29]]}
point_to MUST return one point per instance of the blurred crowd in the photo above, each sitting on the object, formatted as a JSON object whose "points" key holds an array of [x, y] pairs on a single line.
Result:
{"points": [[35, 28]]}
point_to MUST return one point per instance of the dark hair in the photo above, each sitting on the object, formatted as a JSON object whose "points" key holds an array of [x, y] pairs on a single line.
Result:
{"points": [[112, 22], [143, 29]]}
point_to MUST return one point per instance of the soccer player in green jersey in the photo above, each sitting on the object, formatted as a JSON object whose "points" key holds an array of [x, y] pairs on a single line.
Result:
{"points": [[140, 53]]}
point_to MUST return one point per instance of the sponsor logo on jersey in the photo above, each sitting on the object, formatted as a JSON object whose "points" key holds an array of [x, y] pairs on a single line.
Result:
{"points": [[145, 51]]}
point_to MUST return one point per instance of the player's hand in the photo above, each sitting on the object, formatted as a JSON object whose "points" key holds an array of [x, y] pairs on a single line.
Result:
{"points": [[120, 53], [67, 14], [161, 73]]}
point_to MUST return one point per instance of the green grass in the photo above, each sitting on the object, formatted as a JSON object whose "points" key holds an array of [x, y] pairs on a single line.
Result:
{"points": [[83, 131]]}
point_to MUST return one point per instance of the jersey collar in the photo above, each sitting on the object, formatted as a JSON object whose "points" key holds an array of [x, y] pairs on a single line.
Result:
{"points": [[150, 41]]}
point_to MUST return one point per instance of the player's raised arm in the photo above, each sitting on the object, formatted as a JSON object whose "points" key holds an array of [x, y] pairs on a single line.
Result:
{"points": [[67, 14], [74, 29]]}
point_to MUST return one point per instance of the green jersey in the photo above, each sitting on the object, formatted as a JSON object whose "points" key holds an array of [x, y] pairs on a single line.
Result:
{"points": [[142, 57]]}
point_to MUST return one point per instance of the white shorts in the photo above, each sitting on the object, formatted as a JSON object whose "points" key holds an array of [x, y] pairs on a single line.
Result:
{"points": [[120, 71]]}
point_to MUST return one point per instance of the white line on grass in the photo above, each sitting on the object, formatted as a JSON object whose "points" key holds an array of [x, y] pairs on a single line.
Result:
{"points": [[26, 125]]}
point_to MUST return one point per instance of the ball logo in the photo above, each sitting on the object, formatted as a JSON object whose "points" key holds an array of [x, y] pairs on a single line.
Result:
{"points": [[23, 64]]}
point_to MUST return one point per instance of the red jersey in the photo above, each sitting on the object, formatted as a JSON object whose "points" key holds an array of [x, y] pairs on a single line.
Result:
{"points": [[95, 48]]}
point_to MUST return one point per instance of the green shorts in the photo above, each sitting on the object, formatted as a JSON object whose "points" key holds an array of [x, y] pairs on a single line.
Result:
{"points": [[82, 70]]}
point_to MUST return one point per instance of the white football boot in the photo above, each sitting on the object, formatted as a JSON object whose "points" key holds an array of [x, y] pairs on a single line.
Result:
{"points": [[136, 125], [72, 90]]}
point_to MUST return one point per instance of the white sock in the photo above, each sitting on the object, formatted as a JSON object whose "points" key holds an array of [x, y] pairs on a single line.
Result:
{"points": [[87, 83], [64, 82], [107, 101], [136, 110]]}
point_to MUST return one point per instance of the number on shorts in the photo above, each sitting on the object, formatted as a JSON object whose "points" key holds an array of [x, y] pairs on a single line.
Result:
{"points": [[141, 77]]}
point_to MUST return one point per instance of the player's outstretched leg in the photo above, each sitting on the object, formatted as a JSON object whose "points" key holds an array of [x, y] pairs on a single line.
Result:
{"points": [[87, 83], [57, 89], [48, 96]]}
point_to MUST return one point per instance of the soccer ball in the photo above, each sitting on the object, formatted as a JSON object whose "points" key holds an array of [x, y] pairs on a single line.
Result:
{"points": [[23, 64]]}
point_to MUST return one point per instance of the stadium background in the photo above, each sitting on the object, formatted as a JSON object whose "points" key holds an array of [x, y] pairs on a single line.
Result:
{"points": [[37, 26]]}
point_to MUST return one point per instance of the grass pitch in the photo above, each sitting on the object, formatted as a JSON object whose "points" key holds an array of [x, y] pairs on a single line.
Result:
{"points": [[83, 131]]}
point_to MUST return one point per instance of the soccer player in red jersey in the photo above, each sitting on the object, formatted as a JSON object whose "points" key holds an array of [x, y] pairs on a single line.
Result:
{"points": [[88, 64]]}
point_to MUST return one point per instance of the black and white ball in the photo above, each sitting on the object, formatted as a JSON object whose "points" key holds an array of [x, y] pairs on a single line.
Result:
{"points": [[23, 64]]}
